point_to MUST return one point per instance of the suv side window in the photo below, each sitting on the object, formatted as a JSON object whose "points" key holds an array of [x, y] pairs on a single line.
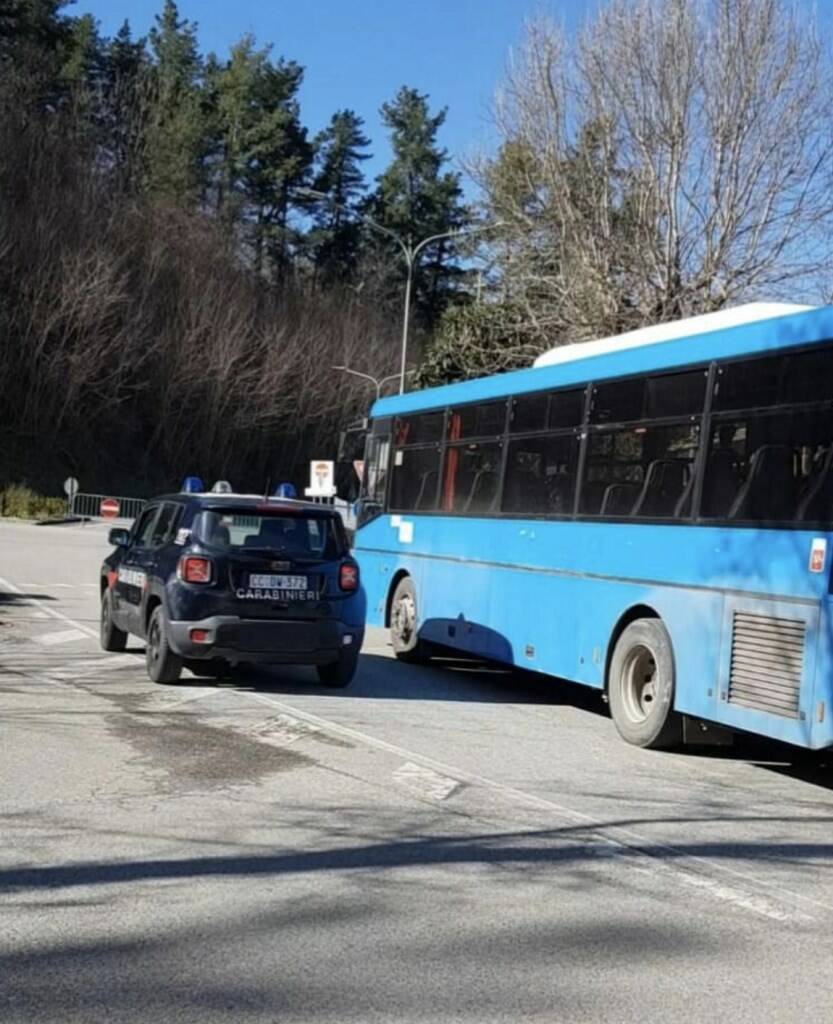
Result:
{"points": [[143, 527], [164, 528]]}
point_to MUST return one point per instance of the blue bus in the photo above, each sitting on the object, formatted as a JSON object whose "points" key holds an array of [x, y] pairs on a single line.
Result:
{"points": [[650, 517]]}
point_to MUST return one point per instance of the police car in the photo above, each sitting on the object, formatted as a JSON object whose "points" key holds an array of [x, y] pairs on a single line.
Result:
{"points": [[214, 579]]}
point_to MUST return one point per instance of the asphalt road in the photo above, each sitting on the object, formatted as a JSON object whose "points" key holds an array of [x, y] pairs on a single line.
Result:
{"points": [[444, 844]]}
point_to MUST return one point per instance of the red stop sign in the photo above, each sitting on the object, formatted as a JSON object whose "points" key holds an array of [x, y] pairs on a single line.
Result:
{"points": [[109, 508]]}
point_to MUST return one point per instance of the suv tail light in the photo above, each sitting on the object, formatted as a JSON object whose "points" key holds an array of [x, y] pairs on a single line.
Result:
{"points": [[348, 576], [195, 569]]}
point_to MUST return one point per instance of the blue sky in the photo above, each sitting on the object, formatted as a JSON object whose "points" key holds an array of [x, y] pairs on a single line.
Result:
{"points": [[357, 53]]}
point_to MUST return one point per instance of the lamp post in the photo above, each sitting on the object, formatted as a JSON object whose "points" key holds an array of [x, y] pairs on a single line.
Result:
{"points": [[377, 382], [409, 253]]}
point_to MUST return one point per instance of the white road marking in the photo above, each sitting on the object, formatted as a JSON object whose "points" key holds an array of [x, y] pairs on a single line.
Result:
{"points": [[170, 701], [50, 612], [282, 729], [691, 870], [92, 665], [425, 781], [64, 636], [687, 868]]}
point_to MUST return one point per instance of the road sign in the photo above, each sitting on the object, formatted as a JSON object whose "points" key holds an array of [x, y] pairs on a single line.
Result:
{"points": [[70, 487], [109, 508], [321, 479]]}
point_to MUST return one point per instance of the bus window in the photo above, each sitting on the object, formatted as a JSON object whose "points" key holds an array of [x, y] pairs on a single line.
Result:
{"points": [[529, 412], [547, 412], [486, 420], [415, 479], [645, 472], [620, 401], [374, 483], [541, 475], [424, 428], [771, 467], [676, 394], [566, 409], [471, 475]]}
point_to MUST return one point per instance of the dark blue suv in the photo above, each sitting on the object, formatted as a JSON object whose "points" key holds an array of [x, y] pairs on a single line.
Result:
{"points": [[213, 580]]}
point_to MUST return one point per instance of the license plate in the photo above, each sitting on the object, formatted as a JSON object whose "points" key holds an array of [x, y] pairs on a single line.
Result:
{"points": [[267, 581]]}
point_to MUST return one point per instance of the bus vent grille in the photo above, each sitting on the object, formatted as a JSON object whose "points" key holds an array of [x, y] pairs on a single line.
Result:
{"points": [[767, 657]]}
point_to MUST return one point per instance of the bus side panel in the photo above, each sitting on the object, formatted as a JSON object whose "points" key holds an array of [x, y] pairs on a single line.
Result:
{"points": [[377, 564], [822, 704]]}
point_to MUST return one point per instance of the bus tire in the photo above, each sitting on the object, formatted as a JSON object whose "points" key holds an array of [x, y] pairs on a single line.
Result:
{"points": [[641, 686], [404, 634]]}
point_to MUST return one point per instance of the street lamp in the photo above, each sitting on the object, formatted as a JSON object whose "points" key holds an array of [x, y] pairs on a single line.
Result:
{"points": [[409, 252], [377, 382]]}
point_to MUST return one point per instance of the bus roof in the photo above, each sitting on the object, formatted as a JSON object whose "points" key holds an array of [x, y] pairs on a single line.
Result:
{"points": [[734, 332]]}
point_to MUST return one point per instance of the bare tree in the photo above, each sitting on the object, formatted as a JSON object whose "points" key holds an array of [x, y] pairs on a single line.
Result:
{"points": [[677, 161]]}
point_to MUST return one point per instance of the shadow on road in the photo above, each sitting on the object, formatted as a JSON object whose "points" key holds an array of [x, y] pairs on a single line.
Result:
{"points": [[461, 680], [8, 598]]}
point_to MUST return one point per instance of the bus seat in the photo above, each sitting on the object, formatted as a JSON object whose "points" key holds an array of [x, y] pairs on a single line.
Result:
{"points": [[482, 486], [618, 499], [665, 482], [815, 503], [525, 492], [721, 483], [769, 490], [683, 506], [427, 494]]}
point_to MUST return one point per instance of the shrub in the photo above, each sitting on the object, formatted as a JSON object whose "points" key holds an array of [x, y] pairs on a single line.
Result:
{"points": [[21, 502]]}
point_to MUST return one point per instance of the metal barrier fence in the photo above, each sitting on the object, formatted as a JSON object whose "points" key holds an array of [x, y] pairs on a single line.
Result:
{"points": [[105, 506]]}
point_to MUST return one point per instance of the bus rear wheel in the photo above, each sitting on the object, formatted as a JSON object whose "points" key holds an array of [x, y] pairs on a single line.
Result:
{"points": [[404, 632], [641, 686]]}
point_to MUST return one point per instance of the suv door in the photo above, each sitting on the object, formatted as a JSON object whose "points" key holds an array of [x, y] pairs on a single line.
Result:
{"points": [[150, 558], [130, 585]]}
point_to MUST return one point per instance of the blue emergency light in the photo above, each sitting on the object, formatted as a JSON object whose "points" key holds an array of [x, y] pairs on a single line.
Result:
{"points": [[285, 491], [192, 485]]}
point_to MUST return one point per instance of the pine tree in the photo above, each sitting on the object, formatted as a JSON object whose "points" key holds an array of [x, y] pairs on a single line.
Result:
{"points": [[262, 151], [416, 198], [35, 37], [335, 238], [126, 107], [175, 135]]}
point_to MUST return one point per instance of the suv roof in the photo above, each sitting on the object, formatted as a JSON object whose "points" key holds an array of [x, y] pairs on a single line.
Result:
{"points": [[251, 502]]}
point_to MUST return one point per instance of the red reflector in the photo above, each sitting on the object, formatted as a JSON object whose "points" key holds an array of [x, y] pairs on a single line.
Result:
{"points": [[195, 569], [348, 577], [200, 636]]}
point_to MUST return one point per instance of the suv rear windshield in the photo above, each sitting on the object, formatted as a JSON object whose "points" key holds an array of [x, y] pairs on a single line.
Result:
{"points": [[295, 536]]}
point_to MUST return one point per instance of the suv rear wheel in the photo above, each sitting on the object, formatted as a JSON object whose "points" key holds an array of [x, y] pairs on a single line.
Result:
{"points": [[338, 674], [162, 664], [112, 638]]}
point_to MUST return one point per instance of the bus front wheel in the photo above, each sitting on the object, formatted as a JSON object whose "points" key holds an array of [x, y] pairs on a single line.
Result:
{"points": [[641, 686], [404, 632]]}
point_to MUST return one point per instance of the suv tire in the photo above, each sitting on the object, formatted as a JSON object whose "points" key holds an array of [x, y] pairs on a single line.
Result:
{"points": [[162, 664], [338, 674], [112, 638]]}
